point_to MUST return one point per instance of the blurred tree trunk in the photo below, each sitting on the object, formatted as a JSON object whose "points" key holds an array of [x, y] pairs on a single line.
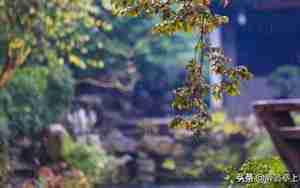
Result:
{"points": [[11, 63]]}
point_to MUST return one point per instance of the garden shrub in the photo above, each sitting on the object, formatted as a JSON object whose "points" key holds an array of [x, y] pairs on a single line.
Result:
{"points": [[35, 98], [88, 158], [91, 161], [285, 81], [261, 147], [260, 173]]}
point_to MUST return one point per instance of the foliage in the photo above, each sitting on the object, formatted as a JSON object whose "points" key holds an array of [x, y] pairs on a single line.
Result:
{"points": [[4, 157], [266, 173], [4, 129], [169, 164], [227, 144], [260, 147], [91, 160], [231, 142], [35, 98], [284, 80], [134, 52], [209, 160], [50, 32], [192, 16], [220, 148], [147, 67], [251, 155]]}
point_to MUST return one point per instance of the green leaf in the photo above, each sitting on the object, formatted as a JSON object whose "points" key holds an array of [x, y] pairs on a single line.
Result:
{"points": [[169, 164]]}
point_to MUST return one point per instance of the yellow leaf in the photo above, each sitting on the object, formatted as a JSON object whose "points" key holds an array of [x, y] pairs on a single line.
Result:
{"points": [[76, 61], [16, 43], [169, 164]]}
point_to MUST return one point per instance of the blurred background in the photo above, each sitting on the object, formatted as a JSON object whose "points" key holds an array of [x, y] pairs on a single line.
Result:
{"points": [[110, 125]]}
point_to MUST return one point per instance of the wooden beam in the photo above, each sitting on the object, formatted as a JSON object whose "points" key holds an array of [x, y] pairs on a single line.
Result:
{"points": [[277, 105]]}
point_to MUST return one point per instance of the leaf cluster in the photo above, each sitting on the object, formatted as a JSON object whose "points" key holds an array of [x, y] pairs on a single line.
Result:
{"points": [[272, 168], [52, 32], [88, 158]]}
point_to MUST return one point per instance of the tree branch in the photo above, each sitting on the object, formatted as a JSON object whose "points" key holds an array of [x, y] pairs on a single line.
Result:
{"points": [[10, 66]]}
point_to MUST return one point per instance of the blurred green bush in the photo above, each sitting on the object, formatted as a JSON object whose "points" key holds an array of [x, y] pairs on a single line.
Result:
{"points": [[90, 159], [35, 98], [285, 81], [266, 173]]}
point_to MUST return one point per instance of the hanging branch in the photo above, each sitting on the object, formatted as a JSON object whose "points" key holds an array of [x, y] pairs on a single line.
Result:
{"points": [[188, 16], [202, 39]]}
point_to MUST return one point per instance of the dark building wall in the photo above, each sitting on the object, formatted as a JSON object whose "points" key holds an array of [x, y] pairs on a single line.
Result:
{"points": [[268, 40]]}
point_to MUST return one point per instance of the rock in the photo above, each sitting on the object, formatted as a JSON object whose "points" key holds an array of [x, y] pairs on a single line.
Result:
{"points": [[147, 178], [81, 121], [178, 150], [146, 170], [115, 141], [182, 133], [91, 139], [83, 116], [160, 145], [146, 165], [55, 137], [122, 161], [120, 169]]}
